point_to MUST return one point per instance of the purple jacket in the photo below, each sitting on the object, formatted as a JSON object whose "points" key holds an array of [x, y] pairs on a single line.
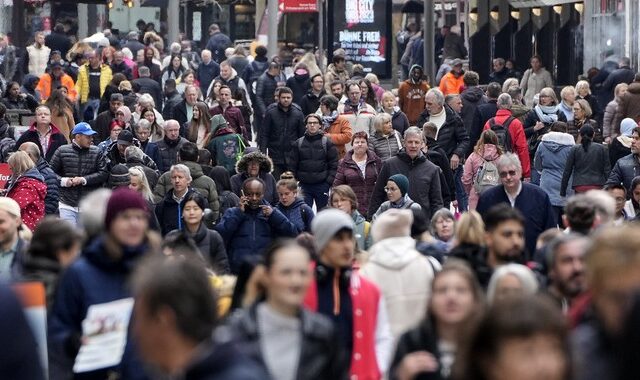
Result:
{"points": [[349, 174]]}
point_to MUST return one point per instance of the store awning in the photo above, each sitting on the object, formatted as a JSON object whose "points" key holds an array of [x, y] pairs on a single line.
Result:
{"points": [[538, 3]]}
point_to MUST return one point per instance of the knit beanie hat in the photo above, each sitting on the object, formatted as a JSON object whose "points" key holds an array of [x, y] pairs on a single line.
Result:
{"points": [[327, 223], [10, 206], [123, 199], [392, 223], [401, 181], [626, 126], [119, 176]]}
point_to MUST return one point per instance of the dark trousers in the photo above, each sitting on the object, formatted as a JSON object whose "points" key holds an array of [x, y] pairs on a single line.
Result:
{"points": [[318, 192]]}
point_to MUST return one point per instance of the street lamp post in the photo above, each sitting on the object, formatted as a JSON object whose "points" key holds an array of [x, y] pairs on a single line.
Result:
{"points": [[429, 40]]}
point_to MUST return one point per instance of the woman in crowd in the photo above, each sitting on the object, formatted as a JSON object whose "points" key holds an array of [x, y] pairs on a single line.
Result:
{"points": [[138, 182], [443, 225], [399, 120], [397, 196], [255, 164], [146, 101], [13, 99], [143, 132], [584, 92], [368, 93], [588, 164], [115, 127], [386, 142], [582, 117], [511, 280], [212, 97], [209, 242], [61, 113], [567, 98], [187, 78], [199, 128], [107, 55], [157, 130], [343, 198], [550, 160], [54, 246], [632, 206], [292, 205], [545, 113], [523, 338], [288, 339], [26, 186], [174, 70], [469, 242], [609, 129], [123, 114], [486, 150], [359, 169], [534, 80], [620, 145], [226, 197], [430, 350], [334, 126]]}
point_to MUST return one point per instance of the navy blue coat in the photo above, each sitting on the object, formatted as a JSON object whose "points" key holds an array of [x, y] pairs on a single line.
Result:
{"points": [[298, 213], [92, 279], [249, 233], [52, 182], [532, 202]]}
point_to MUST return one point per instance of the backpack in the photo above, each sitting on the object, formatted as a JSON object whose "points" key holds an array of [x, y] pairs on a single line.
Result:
{"points": [[502, 131], [324, 143], [488, 176]]}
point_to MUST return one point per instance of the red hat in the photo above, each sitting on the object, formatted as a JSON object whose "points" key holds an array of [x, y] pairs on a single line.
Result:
{"points": [[123, 199]]}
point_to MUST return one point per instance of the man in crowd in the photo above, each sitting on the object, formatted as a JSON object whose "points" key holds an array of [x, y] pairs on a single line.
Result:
{"points": [[103, 120], [183, 111], [452, 82], [231, 113], [218, 42], [565, 260], [58, 40], [483, 113], [37, 56], [628, 104], [188, 156], [8, 59], [337, 90], [176, 313], [120, 66], [341, 294], [82, 169], [424, 176], [93, 78], [472, 96], [12, 247], [283, 125], [169, 146], [356, 110], [337, 70], [54, 78], [44, 134], [623, 74], [529, 199], [133, 43], [229, 77], [266, 85], [411, 94], [207, 70], [311, 101], [500, 71], [249, 228], [148, 85]]}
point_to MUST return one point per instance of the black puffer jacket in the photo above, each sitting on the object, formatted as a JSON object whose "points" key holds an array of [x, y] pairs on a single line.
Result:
{"points": [[452, 136], [169, 212], [624, 171], [73, 161], [279, 130], [311, 102], [211, 247], [471, 97], [321, 356], [52, 182], [168, 151], [314, 161], [424, 182], [299, 84], [265, 88]]}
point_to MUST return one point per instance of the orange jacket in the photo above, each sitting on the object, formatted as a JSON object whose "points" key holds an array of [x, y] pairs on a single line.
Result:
{"points": [[340, 133], [449, 84], [44, 86]]}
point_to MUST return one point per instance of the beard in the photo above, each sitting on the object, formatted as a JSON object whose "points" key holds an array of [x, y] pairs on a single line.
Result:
{"points": [[511, 256]]}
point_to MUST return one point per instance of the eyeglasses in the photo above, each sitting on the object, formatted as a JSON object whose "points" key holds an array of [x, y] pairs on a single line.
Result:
{"points": [[390, 189], [506, 174]]}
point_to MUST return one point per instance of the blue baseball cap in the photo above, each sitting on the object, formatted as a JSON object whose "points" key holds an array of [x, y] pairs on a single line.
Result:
{"points": [[83, 129]]}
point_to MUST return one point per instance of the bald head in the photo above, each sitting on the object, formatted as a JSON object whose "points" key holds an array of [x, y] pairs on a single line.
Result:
{"points": [[32, 150]]}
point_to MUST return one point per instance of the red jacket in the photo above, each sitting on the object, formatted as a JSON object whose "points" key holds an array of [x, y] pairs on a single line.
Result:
{"points": [[367, 322], [518, 140], [29, 190]]}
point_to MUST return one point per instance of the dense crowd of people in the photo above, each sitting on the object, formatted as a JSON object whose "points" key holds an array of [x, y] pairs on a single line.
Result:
{"points": [[266, 223]]}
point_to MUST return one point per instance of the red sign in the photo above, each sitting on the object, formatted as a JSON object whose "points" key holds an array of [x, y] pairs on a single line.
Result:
{"points": [[5, 173], [298, 6]]}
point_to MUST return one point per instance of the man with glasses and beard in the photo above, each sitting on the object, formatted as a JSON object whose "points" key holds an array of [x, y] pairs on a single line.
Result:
{"points": [[565, 258], [530, 200]]}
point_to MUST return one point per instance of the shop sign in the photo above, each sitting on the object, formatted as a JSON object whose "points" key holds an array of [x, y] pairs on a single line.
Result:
{"points": [[298, 6]]}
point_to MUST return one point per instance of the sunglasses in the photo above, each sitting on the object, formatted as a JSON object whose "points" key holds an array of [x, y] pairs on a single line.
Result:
{"points": [[511, 173]]}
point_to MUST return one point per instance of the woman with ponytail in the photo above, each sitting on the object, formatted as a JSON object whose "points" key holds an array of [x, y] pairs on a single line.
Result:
{"points": [[588, 164]]}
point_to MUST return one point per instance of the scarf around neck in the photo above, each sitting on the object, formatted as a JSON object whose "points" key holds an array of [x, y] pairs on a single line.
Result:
{"points": [[546, 114], [328, 120]]}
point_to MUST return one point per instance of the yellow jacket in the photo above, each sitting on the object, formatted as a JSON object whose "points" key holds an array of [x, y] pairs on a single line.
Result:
{"points": [[82, 85]]}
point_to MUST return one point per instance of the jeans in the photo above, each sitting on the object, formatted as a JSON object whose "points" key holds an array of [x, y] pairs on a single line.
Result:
{"points": [[318, 192], [461, 195], [69, 215]]}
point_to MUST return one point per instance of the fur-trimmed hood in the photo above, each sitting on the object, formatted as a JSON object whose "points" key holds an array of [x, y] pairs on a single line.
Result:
{"points": [[266, 165]]}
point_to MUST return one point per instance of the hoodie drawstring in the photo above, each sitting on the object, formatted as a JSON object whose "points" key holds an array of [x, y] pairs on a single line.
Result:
{"points": [[336, 292]]}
